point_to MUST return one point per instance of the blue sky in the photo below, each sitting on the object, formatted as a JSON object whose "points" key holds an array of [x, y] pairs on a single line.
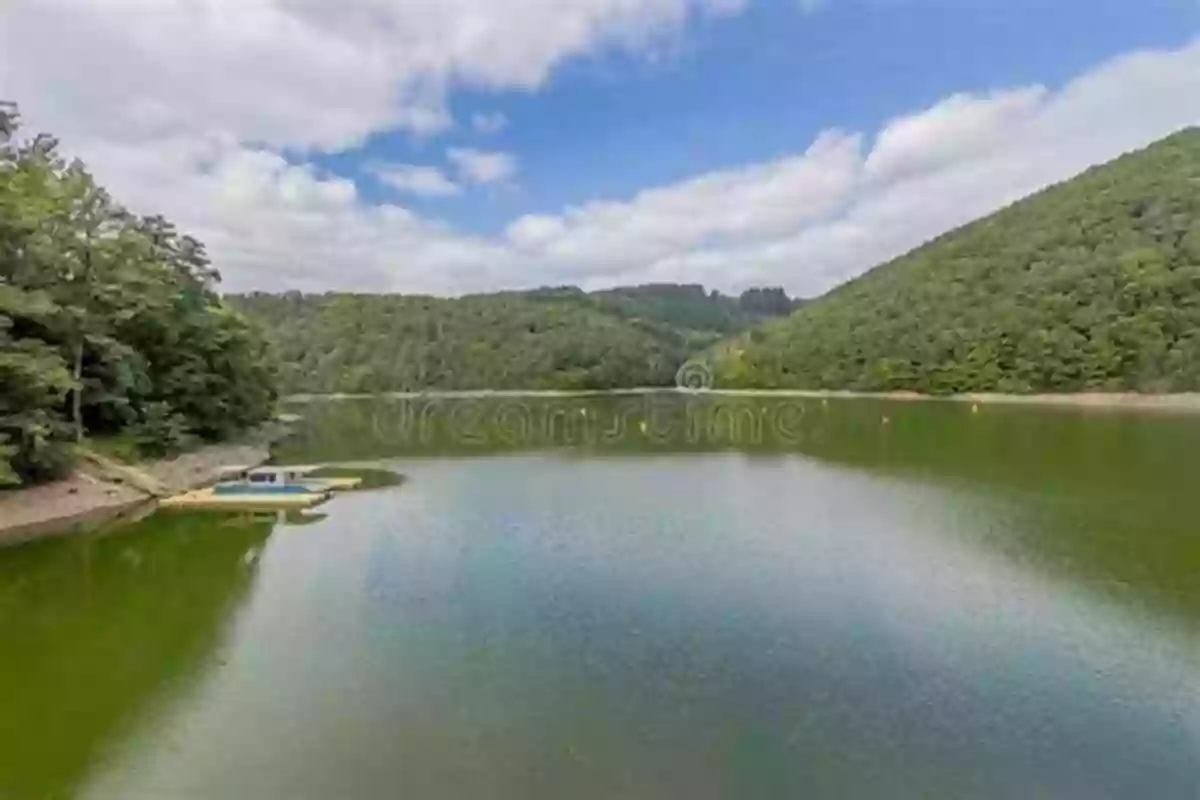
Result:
{"points": [[319, 145], [764, 84]]}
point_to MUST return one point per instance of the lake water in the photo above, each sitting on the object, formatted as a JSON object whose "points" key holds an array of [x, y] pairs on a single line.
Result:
{"points": [[656, 597]]}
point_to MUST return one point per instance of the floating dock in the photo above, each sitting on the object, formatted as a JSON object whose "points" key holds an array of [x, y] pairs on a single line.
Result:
{"points": [[207, 498], [265, 489]]}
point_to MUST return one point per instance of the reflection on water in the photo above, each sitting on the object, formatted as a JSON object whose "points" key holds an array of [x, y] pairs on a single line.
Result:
{"points": [[942, 604], [1110, 496], [695, 626], [99, 631]]}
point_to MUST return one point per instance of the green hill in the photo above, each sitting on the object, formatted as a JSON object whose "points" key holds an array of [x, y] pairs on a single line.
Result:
{"points": [[553, 338], [1093, 284]]}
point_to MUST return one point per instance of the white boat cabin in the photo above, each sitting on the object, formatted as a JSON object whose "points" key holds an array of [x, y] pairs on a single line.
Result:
{"points": [[266, 476]]}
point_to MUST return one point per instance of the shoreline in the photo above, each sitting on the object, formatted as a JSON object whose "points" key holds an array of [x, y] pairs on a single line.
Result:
{"points": [[100, 490], [1188, 402]]}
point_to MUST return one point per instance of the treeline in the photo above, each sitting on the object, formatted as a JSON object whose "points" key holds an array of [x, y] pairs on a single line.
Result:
{"points": [[552, 338], [1093, 284], [109, 322]]}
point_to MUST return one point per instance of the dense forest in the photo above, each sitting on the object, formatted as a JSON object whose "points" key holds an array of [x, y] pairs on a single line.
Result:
{"points": [[688, 306], [553, 338], [110, 323], [1093, 284]]}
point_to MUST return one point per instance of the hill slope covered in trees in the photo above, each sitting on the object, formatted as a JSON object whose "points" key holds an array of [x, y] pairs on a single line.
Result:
{"points": [[554, 338], [109, 322], [1093, 284]]}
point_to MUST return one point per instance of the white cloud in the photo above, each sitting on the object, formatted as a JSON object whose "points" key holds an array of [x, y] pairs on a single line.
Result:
{"points": [[184, 107], [810, 222], [479, 166], [488, 124], [273, 224], [422, 181], [958, 128], [300, 73], [734, 206]]}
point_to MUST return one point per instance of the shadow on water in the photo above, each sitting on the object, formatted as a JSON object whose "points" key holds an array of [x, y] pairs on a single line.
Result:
{"points": [[1105, 498], [102, 631]]}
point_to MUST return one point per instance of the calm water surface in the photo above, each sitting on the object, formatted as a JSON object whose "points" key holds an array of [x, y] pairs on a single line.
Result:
{"points": [[645, 601]]}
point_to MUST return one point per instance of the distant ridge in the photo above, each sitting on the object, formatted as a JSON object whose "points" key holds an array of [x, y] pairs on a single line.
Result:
{"points": [[552, 338]]}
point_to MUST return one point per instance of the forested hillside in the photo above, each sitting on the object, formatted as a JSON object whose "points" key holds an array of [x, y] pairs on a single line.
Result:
{"points": [[1090, 285], [109, 322], [554, 338], [689, 307]]}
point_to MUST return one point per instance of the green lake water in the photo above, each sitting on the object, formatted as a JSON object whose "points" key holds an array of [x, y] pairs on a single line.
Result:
{"points": [[637, 597]]}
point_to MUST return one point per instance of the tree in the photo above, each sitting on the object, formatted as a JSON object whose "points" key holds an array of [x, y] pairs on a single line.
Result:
{"points": [[108, 322]]}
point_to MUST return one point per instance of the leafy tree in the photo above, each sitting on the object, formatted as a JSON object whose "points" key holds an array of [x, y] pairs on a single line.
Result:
{"points": [[108, 322]]}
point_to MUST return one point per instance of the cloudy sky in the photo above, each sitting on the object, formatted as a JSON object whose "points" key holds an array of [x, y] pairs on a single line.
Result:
{"points": [[452, 146]]}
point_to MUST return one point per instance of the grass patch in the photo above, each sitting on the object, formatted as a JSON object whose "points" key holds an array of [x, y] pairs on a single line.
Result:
{"points": [[122, 448], [371, 478]]}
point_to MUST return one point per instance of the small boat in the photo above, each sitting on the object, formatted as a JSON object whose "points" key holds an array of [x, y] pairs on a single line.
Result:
{"points": [[279, 480], [264, 488]]}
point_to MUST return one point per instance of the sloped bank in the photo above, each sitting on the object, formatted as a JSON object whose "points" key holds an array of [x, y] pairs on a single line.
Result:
{"points": [[101, 489]]}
